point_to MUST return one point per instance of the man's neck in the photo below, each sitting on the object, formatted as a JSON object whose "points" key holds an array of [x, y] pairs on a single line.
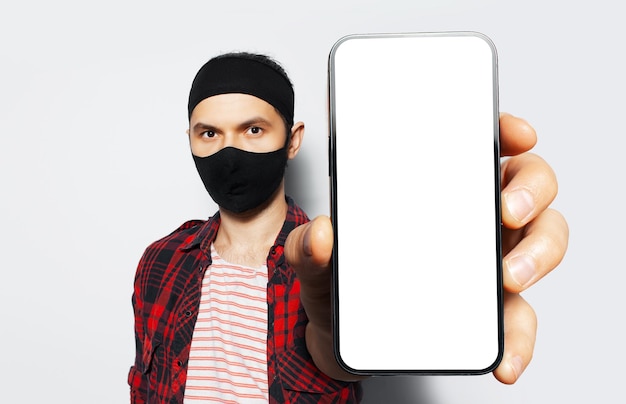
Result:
{"points": [[246, 238]]}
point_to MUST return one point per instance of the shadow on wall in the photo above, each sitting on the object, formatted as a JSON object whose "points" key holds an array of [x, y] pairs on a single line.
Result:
{"points": [[299, 185], [396, 390]]}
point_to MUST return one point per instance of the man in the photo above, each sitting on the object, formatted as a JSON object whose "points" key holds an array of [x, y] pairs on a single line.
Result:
{"points": [[237, 308]]}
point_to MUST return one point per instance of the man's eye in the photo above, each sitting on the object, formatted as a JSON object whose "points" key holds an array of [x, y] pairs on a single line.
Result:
{"points": [[207, 133], [255, 130]]}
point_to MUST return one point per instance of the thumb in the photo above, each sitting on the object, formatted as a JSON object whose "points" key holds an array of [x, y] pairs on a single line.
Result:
{"points": [[309, 247]]}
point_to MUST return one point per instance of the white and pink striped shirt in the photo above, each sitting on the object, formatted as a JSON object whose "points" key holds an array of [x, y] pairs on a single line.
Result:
{"points": [[228, 357]]}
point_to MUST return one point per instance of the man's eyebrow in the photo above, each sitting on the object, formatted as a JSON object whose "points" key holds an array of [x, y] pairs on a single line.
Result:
{"points": [[255, 121], [204, 126]]}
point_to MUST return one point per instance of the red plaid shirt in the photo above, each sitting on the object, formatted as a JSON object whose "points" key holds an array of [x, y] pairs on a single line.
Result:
{"points": [[166, 299]]}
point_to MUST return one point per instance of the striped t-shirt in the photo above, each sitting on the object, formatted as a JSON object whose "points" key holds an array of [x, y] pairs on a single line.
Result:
{"points": [[228, 357]]}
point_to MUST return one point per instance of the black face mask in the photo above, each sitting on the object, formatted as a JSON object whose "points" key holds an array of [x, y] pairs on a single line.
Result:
{"points": [[239, 180]]}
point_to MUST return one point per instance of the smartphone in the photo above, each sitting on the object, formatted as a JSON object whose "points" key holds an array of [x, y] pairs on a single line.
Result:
{"points": [[415, 203]]}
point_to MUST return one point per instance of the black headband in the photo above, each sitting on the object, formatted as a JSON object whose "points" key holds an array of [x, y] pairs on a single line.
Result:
{"points": [[232, 74]]}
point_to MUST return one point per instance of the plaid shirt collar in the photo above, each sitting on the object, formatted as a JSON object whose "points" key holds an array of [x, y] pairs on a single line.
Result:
{"points": [[207, 233]]}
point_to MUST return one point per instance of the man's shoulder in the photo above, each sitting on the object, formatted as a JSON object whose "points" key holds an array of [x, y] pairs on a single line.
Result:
{"points": [[165, 254], [182, 235], [189, 227], [295, 213]]}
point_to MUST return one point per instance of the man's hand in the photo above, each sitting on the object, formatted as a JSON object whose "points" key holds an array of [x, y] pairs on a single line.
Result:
{"points": [[308, 250], [534, 241]]}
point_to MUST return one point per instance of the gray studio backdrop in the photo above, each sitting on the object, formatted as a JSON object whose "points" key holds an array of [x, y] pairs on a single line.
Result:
{"points": [[94, 165]]}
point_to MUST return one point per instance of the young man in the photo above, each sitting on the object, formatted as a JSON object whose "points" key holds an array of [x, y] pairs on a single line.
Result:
{"points": [[237, 308]]}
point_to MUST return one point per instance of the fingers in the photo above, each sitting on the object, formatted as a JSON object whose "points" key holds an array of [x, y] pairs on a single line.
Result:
{"points": [[542, 247], [520, 330], [529, 187], [529, 183], [516, 135]]}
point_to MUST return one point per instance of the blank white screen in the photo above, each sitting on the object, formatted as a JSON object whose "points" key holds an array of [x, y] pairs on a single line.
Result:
{"points": [[416, 202]]}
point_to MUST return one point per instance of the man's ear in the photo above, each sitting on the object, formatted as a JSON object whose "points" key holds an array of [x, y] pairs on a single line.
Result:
{"points": [[295, 141]]}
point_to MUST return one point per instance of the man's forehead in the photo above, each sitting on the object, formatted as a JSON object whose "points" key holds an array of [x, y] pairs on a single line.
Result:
{"points": [[231, 106], [230, 100]]}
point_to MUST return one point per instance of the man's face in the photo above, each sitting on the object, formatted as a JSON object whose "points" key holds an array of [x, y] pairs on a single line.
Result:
{"points": [[238, 120]]}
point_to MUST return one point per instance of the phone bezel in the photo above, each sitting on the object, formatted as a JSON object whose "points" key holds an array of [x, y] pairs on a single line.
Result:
{"points": [[334, 215]]}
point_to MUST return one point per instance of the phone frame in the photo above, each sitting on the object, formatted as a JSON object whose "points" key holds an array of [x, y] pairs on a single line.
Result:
{"points": [[334, 211]]}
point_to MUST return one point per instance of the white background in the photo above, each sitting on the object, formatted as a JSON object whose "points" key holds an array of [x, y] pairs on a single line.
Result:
{"points": [[94, 165]]}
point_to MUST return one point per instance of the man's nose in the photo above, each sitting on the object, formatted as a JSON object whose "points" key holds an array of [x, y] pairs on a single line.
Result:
{"points": [[232, 140]]}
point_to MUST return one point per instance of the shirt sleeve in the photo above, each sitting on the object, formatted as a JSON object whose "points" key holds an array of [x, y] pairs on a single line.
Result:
{"points": [[137, 378]]}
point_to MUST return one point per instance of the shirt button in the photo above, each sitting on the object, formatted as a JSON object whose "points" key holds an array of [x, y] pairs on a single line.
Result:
{"points": [[273, 251], [200, 268], [180, 363], [188, 313]]}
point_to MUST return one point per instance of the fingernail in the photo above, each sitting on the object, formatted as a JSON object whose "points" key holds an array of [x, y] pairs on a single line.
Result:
{"points": [[516, 365], [520, 203], [307, 241], [522, 269]]}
